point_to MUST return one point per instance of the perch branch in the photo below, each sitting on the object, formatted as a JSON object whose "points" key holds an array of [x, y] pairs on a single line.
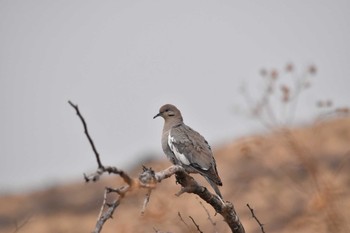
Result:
{"points": [[148, 179], [224, 208]]}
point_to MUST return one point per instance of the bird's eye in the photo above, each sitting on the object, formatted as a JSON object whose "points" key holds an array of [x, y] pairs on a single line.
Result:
{"points": [[166, 110]]}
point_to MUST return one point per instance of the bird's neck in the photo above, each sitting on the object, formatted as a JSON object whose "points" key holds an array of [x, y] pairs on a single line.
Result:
{"points": [[171, 123]]}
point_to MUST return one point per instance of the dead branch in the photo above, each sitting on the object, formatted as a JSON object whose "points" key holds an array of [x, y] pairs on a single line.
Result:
{"points": [[158, 231], [209, 217], [87, 133], [182, 220], [224, 208], [103, 204], [256, 219], [20, 225], [106, 215], [197, 226], [146, 200], [148, 179]]}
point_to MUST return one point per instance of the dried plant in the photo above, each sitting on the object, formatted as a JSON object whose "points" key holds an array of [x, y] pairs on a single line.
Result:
{"points": [[277, 103], [276, 109]]}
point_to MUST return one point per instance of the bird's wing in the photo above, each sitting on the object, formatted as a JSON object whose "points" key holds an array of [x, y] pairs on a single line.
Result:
{"points": [[191, 148]]}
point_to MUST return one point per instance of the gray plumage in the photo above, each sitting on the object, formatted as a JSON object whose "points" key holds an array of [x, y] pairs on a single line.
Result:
{"points": [[186, 147]]}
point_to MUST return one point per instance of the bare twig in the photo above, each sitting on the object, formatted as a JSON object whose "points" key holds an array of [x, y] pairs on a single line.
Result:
{"points": [[146, 200], [19, 226], [107, 215], [209, 217], [103, 204], [256, 219], [197, 226], [182, 220], [158, 231], [87, 133]]}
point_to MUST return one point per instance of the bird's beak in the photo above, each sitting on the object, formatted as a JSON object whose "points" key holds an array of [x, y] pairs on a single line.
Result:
{"points": [[159, 114]]}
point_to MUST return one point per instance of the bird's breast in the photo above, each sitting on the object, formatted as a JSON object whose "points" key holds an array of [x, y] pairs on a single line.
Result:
{"points": [[166, 149]]}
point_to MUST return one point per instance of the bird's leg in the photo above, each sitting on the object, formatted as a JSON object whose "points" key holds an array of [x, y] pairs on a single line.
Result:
{"points": [[188, 183], [184, 180], [181, 178], [220, 198]]}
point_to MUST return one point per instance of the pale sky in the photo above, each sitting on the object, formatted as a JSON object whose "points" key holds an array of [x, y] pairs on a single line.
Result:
{"points": [[121, 60]]}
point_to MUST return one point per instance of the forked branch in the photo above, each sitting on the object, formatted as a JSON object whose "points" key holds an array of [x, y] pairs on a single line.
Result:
{"points": [[148, 179]]}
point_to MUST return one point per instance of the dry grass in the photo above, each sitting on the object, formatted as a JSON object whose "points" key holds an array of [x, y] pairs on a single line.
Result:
{"points": [[296, 180]]}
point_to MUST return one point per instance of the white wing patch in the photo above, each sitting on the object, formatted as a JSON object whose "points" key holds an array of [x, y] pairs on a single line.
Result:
{"points": [[180, 157]]}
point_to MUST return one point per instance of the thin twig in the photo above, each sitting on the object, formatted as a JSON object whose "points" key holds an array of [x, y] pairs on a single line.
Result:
{"points": [[209, 217], [256, 219], [103, 204], [197, 226], [158, 231], [87, 133], [346, 158], [145, 201], [182, 220], [21, 225]]}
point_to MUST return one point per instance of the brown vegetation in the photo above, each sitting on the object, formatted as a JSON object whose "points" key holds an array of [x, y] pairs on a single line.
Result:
{"points": [[296, 180]]}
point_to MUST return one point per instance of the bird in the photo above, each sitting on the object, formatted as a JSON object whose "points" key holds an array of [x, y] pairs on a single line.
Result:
{"points": [[186, 147]]}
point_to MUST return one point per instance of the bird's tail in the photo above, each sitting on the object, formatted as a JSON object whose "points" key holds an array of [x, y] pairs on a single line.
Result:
{"points": [[214, 186]]}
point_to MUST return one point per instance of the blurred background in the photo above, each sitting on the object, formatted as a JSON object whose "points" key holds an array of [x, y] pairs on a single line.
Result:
{"points": [[233, 68]]}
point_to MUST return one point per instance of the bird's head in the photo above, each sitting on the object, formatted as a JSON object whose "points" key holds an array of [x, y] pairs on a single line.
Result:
{"points": [[168, 112]]}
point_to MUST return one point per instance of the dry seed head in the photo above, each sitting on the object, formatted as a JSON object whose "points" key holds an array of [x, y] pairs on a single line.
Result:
{"points": [[312, 69], [285, 93], [274, 74], [289, 67]]}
